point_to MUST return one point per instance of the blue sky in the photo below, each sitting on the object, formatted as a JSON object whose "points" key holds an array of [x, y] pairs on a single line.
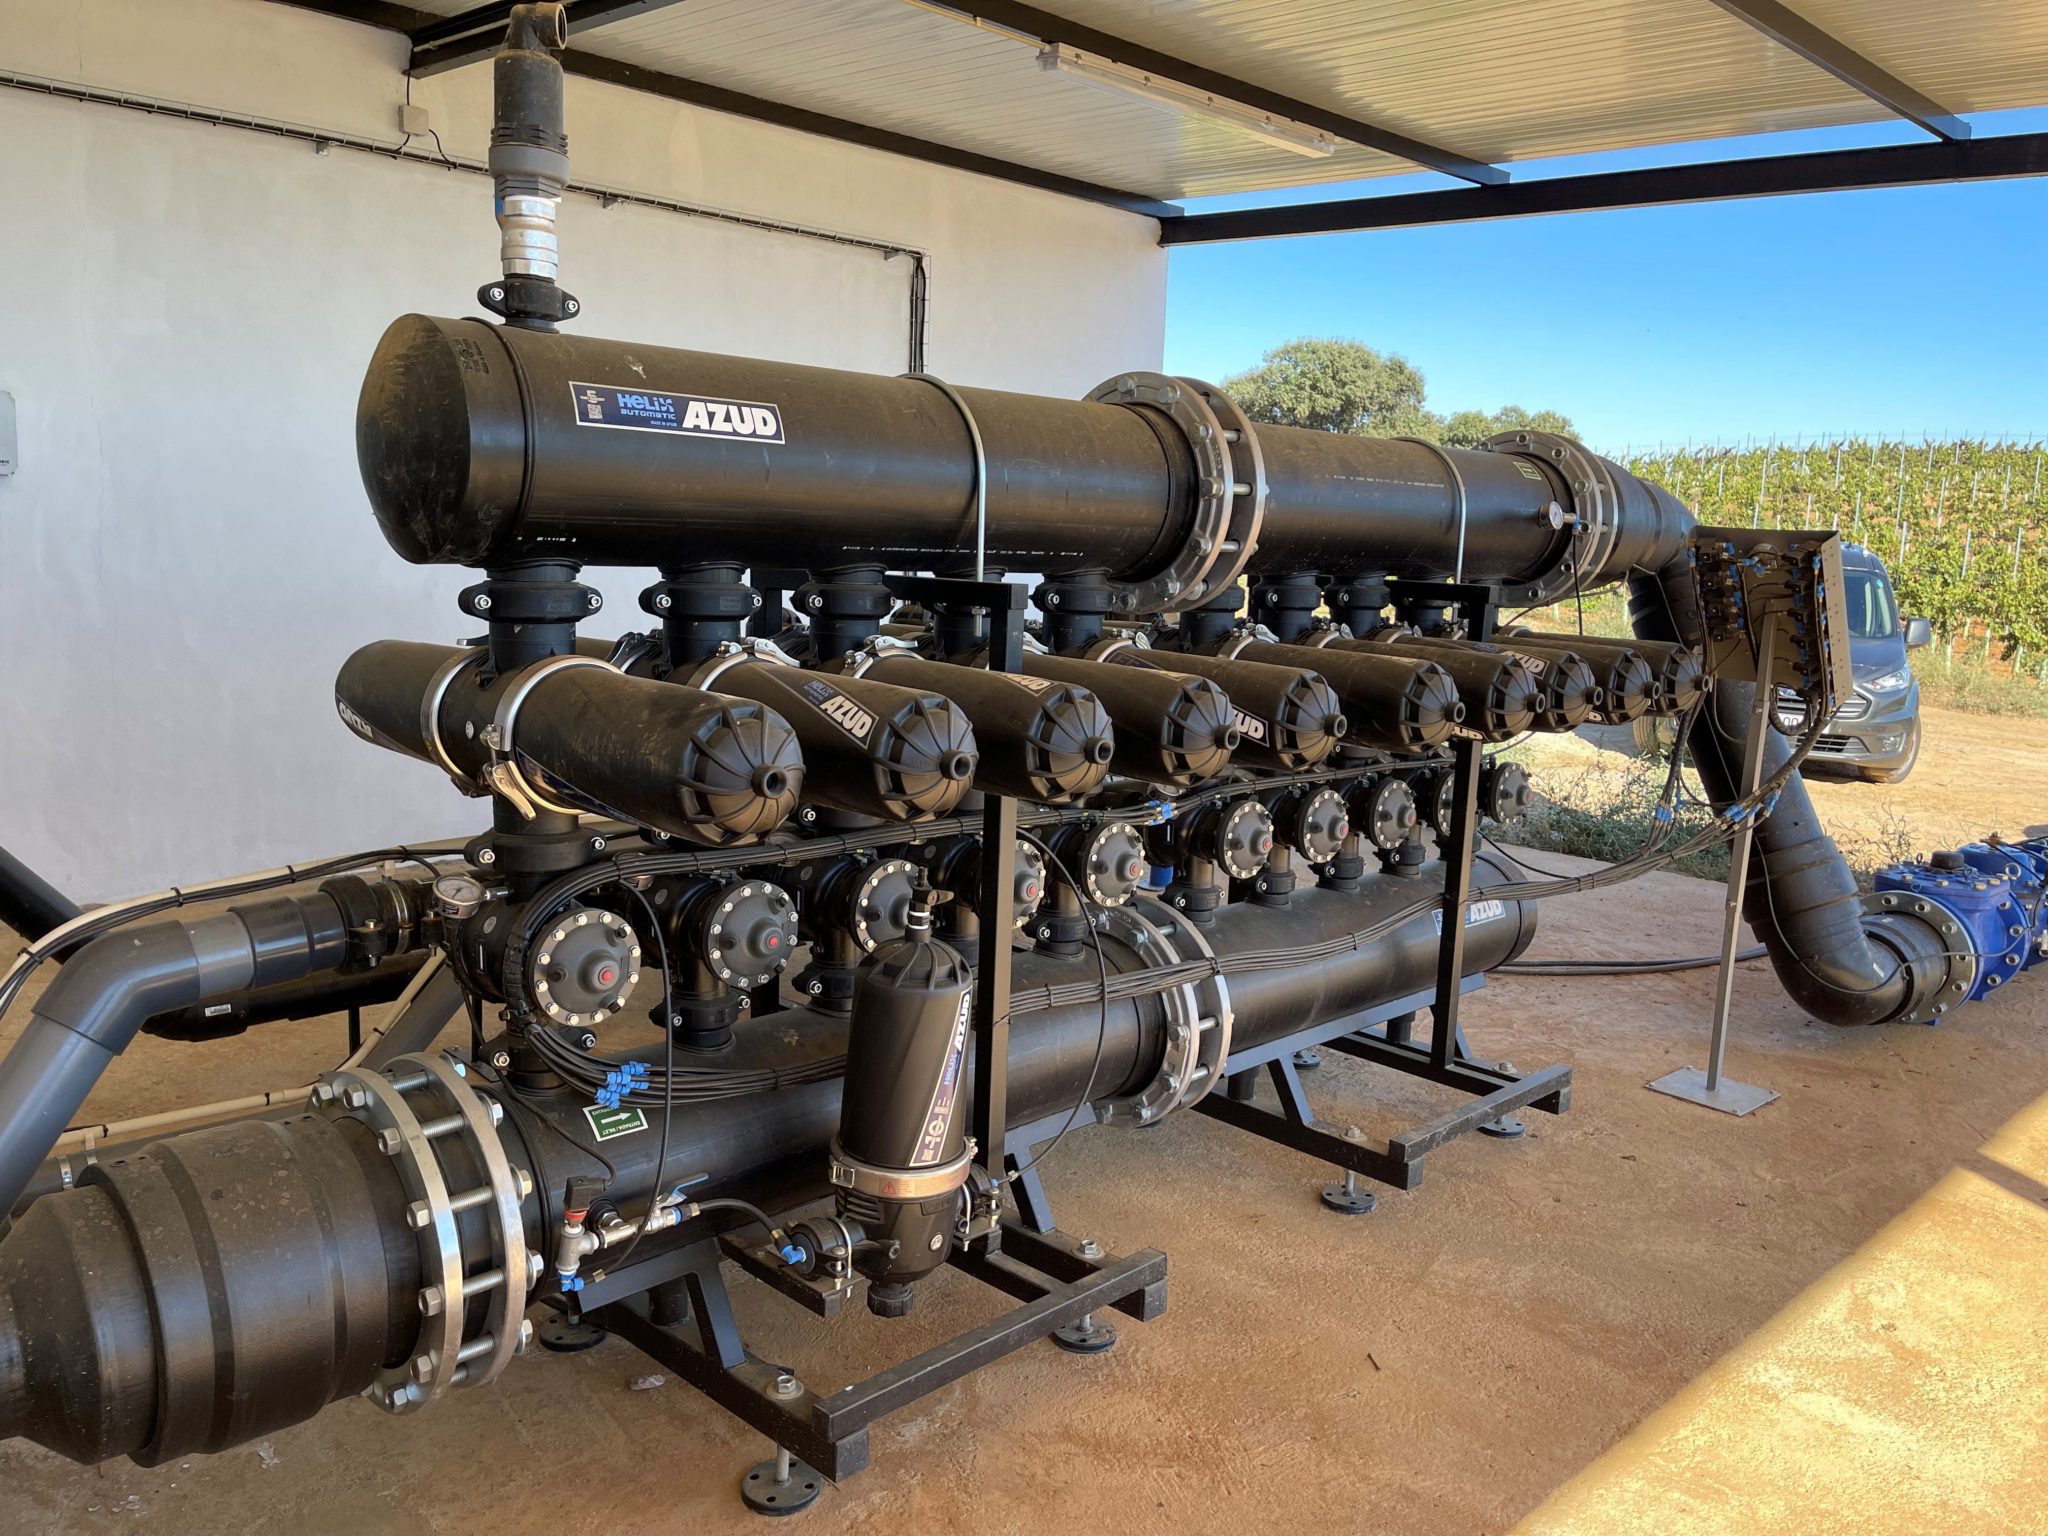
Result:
{"points": [[1908, 310]]}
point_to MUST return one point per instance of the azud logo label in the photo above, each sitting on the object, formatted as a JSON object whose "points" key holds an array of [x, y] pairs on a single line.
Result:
{"points": [[839, 709], [653, 410]]}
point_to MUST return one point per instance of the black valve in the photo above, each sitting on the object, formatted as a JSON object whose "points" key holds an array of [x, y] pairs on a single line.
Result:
{"points": [[1384, 810]]}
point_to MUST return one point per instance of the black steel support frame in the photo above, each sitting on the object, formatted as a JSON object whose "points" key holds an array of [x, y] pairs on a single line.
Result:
{"points": [[1383, 1036], [1045, 1272], [1002, 603], [1041, 1268], [1835, 170]]}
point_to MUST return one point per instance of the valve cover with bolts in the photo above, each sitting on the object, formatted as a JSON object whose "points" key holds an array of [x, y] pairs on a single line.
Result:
{"points": [[1386, 812], [1112, 864], [584, 966]]}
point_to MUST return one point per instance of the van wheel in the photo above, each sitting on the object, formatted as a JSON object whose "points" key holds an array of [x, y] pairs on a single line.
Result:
{"points": [[1656, 736], [1897, 775]]}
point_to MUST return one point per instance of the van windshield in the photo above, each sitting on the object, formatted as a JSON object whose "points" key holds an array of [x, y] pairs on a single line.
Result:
{"points": [[1872, 613]]}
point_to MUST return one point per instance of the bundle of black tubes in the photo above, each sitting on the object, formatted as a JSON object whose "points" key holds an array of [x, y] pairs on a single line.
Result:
{"points": [[720, 938]]}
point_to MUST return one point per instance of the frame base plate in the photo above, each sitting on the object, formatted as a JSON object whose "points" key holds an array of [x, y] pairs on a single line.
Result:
{"points": [[1728, 1096]]}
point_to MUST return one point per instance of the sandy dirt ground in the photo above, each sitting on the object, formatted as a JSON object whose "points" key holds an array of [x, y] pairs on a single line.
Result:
{"points": [[1977, 774], [1441, 1365]]}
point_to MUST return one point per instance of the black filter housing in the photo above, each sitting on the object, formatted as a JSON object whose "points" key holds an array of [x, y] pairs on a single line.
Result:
{"points": [[1394, 703], [1678, 671], [1628, 688], [1502, 695], [1286, 717], [1172, 728], [899, 1158], [870, 748], [1039, 740], [705, 767]]}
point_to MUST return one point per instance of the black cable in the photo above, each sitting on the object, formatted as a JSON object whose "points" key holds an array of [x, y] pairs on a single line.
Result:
{"points": [[668, 1079], [728, 1203], [1102, 1024], [1621, 967]]}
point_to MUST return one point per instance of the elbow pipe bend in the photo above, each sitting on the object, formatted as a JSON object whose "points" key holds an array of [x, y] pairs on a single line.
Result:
{"points": [[1838, 959], [97, 1003]]}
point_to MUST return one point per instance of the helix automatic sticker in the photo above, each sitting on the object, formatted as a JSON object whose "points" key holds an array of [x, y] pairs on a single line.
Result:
{"points": [[653, 410]]}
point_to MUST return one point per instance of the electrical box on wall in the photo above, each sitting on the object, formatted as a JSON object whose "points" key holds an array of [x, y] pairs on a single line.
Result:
{"points": [[8, 453]]}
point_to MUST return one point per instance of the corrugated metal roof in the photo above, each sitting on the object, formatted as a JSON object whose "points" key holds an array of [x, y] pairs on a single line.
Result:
{"points": [[893, 65], [1494, 80]]}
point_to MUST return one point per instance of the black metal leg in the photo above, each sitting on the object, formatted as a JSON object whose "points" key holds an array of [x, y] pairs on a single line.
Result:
{"points": [[1034, 1206], [1457, 860], [711, 1308], [1062, 1285], [1287, 1084]]}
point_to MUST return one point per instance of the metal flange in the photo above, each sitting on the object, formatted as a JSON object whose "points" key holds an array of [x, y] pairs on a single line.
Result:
{"points": [[1198, 1016], [1187, 578], [1596, 500], [422, 1111], [1963, 960], [1247, 485]]}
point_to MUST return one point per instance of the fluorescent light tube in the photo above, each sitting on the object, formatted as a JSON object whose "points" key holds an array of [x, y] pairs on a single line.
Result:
{"points": [[1122, 80]]}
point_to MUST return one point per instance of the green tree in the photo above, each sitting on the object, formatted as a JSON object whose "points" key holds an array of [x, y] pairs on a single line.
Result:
{"points": [[1332, 385]]}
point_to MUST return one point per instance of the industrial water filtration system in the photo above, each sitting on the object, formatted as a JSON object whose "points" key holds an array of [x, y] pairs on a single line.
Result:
{"points": [[807, 922]]}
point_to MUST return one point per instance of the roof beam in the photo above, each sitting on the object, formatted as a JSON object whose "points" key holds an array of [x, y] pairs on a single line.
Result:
{"points": [[718, 98], [1789, 29], [1896, 165], [452, 41], [1050, 28], [370, 13]]}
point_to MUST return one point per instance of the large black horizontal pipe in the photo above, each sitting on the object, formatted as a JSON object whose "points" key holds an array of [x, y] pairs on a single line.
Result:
{"points": [[117, 1337], [733, 1142], [306, 997], [478, 442]]}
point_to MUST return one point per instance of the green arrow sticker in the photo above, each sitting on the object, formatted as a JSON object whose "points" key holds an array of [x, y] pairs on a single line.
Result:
{"points": [[607, 1123]]}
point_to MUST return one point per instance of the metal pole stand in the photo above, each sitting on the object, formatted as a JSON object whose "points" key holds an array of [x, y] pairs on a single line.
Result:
{"points": [[1710, 1087]]}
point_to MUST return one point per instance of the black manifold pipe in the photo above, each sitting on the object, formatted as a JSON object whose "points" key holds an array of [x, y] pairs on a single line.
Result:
{"points": [[480, 442], [228, 1282]]}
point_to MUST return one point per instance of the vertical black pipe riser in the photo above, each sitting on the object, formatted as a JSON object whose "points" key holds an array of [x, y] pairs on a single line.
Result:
{"points": [[845, 608], [1203, 627], [1286, 604], [529, 165], [701, 607], [1074, 607]]}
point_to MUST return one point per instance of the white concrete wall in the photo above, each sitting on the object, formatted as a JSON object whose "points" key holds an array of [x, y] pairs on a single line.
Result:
{"points": [[186, 555]]}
